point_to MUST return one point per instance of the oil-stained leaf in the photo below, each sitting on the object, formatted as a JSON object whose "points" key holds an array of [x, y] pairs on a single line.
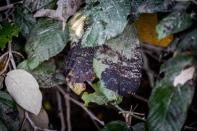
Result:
{"points": [[118, 63], [105, 20], [79, 67], [173, 23], [7, 31], [168, 105], [45, 41], [145, 26], [24, 89]]}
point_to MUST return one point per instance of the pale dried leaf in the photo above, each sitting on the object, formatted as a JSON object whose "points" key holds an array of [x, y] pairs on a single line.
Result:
{"points": [[184, 76], [23, 87]]}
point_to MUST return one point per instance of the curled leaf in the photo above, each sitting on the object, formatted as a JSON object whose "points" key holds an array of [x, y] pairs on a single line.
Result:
{"points": [[24, 89]]}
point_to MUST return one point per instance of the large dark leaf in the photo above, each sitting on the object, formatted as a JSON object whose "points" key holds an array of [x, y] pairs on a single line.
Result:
{"points": [[139, 127], [168, 105], [6, 99], [105, 20], [78, 67], [118, 63], [46, 40]]}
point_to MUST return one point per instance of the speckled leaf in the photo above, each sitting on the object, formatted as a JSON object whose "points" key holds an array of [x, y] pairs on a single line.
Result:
{"points": [[173, 23], [169, 104], [106, 20], [118, 63], [78, 67], [46, 40]]}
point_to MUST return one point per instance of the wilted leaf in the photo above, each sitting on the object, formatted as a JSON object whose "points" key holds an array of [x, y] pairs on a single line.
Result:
{"points": [[184, 76], [6, 99], [105, 20], [118, 63], [2, 126], [46, 40], [78, 67], [7, 31], [116, 126], [168, 105], [173, 23], [146, 25], [24, 89]]}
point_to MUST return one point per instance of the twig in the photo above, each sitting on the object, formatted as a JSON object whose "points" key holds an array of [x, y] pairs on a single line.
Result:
{"points": [[35, 128], [2, 8], [11, 56], [133, 114], [68, 113], [140, 97], [92, 116], [60, 111]]}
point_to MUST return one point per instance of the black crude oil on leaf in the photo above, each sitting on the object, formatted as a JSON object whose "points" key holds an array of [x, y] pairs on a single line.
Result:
{"points": [[118, 63], [79, 67]]}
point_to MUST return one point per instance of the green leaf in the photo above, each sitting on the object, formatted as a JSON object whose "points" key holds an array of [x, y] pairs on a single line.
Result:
{"points": [[45, 41], [9, 117], [116, 126], [5, 98], [7, 31], [118, 63], [101, 96], [139, 127], [25, 21], [168, 105], [189, 42], [173, 23], [173, 67], [2, 126], [106, 20]]}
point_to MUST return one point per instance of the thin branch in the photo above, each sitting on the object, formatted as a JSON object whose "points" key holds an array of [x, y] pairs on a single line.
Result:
{"points": [[35, 128], [11, 56], [60, 111], [140, 98], [68, 113], [92, 116]]}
